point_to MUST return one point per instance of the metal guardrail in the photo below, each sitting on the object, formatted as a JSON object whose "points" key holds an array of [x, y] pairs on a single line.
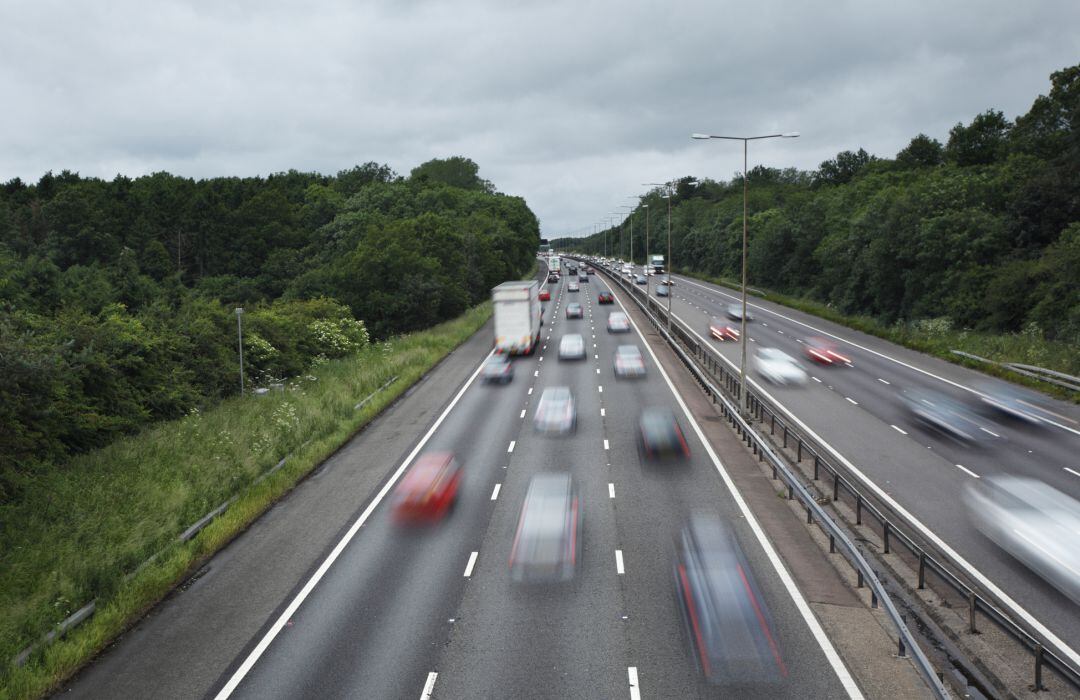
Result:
{"points": [[893, 527]]}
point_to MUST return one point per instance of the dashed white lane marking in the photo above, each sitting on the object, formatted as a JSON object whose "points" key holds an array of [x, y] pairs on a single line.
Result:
{"points": [[882, 380], [635, 689], [522, 413], [1072, 471], [816, 380], [596, 357], [990, 432], [511, 448], [495, 493], [619, 568], [471, 564], [852, 400], [611, 490], [967, 471], [780, 332], [429, 686], [536, 373], [752, 340], [601, 389], [598, 370], [606, 444], [602, 413], [899, 430], [530, 391], [541, 358]]}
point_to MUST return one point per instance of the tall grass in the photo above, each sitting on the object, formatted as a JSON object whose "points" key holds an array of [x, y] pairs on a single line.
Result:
{"points": [[80, 532], [938, 337]]}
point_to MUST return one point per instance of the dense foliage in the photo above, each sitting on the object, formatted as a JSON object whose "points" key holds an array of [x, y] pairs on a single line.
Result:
{"points": [[117, 297], [982, 232]]}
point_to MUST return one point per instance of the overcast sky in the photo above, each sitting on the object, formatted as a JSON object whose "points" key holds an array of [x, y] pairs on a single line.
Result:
{"points": [[571, 105]]}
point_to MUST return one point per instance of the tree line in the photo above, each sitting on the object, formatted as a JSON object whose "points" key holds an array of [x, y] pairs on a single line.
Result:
{"points": [[117, 297], [982, 231]]}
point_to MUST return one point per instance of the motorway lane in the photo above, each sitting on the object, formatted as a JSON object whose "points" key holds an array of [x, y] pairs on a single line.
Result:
{"points": [[918, 468], [566, 641]]}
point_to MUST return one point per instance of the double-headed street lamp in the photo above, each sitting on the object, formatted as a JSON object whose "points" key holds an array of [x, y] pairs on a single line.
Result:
{"points": [[742, 332], [669, 187]]}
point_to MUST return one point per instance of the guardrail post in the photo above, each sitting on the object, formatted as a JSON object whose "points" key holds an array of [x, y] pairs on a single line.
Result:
{"points": [[922, 570], [859, 581], [815, 467], [785, 436], [790, 492], [971, 613], [901, 651], [858, 509], [772, 425], [885, 530], [832, 544], [798, 454], [809, 516], [835, 487], [873, 599], [1038, 667]]}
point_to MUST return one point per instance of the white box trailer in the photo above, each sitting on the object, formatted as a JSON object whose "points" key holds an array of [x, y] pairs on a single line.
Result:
{"points": [[517, 317], [656, 263]]}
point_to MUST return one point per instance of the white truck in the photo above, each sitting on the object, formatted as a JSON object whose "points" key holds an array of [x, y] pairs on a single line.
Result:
{"points": [[517, 317], [554, 264], [656, 264]]}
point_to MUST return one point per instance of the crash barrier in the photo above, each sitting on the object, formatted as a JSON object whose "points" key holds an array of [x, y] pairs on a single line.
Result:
{"points": [[712, 372]]}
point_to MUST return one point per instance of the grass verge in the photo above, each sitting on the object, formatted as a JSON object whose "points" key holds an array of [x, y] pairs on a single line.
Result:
{"points": [[937, 337], [82, 531]]}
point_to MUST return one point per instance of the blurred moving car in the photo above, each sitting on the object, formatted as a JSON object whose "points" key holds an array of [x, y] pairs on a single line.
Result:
{"points": [[574, 310], [583, 277], [497, 368], [662, 290], [728, 625], [553, 278], [547, 543], [605, 297], [660, 435], [734, 312], [556, 412], [943, 414], [573, 287], [545, 295], [722, 330], [618, 322], [629, 362], [1012, 402], [590, 271], [572, 347], [778, 367], [640, 279], [1032, 521], [824, 352], [666, 280], [428, 490]]}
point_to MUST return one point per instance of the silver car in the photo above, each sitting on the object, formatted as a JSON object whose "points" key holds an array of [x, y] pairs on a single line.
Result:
{"points": [[572, 347], [629, 362], [547, 544], [618, 322], [556, 412], [778, 367]]}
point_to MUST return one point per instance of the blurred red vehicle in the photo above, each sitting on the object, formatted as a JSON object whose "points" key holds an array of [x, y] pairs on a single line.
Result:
{"points": [[429, 489], [605, 298], [723, 331], [545, 295], [824, 352]]}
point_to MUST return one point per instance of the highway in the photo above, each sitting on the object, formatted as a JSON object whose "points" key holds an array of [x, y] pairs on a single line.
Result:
{"points": [[432, 612], [857, 411]]}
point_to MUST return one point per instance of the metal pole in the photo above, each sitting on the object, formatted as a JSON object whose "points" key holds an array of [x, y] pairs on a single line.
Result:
{"points": [[742, 332], [647, 275], [240, 341], [671, 195]]}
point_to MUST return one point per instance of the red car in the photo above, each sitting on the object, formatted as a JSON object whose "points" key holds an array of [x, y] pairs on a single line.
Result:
{"points": [[605, 298], [428, 490], [824, 352], [545, 295], [723, 331]]}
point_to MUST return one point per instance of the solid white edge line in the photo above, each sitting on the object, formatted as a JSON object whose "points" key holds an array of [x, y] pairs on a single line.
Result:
{"points": [[495, 492], [898, 429], [290, 610], [471, 564], [801, 605], [611, 490], [429, 686], [925, 531], [967, 471], [852, 400], [635, 687], [511, 447], [882, 380], [619, 568], [1071, 471], [873, 352]]}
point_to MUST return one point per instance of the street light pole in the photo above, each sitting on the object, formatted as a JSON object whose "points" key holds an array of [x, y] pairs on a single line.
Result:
{"points": [[742, 332], [647, 275], [240, 342]]}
